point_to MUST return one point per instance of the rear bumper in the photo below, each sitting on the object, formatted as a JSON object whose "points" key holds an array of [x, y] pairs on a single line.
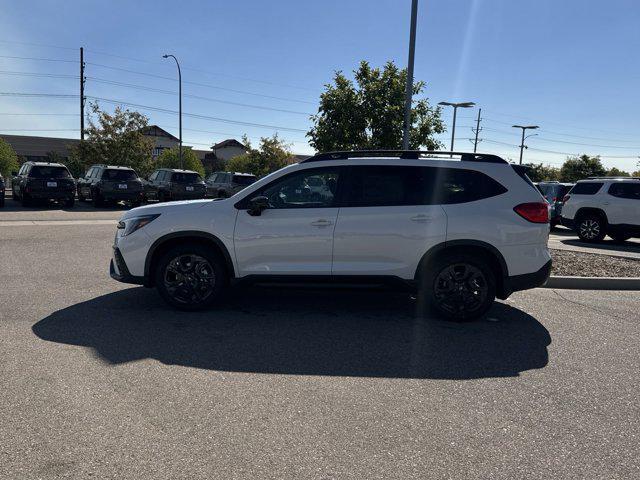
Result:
{"points": [[51, 194], [119, 271], [526, 281], [123, 195]]}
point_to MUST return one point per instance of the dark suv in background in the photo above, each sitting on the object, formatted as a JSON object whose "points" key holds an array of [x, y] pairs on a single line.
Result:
{"points": [[226, 184], [44, 181], [554, 193], [2, 187], [108, 183], [166, 184]]}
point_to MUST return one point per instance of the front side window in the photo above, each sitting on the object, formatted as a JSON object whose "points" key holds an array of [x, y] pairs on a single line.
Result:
{"points": [[39, 171], [294, 190], [625, 190]]}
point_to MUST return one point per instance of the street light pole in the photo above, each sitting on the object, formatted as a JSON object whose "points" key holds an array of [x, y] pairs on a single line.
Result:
{"points": [[179, 106], [409, 87], [524, 129], [455, 112]]}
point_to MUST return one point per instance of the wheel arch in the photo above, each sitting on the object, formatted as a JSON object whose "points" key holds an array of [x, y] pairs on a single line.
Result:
{"points": [[164, 243], [484, 250], [590, 211]]}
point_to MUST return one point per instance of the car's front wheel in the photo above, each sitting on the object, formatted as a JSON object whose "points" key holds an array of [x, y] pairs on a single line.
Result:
{"points": [[591, 228], [191, 277], [458, 287], [620, 237]]}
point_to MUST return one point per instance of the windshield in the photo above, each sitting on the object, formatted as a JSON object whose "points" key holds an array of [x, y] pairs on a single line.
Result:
{"points": [[49, 172], [244, 179], [119, 175], [186, 178]]}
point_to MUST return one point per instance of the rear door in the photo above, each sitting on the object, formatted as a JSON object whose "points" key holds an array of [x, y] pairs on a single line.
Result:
{"points": [[623, 203], [386, 221], [294, 236]]}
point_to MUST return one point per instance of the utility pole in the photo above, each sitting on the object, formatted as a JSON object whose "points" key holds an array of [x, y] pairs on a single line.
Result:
{"points": [[409, 88], [524, 129], [477, 131], [455, 112], [82, 99]]}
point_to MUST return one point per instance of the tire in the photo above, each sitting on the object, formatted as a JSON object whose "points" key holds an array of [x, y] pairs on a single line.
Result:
{"points": [[591, 228], [458, 287], [2, 200], [162, 197], [178, 281], [619, 237], [97, 199], [222, 194], [69, 202], [25, 199], [80, 197]]}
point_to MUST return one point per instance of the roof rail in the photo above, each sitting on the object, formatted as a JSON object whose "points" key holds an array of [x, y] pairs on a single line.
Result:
{"points": [[404, 154], [613, 177]]}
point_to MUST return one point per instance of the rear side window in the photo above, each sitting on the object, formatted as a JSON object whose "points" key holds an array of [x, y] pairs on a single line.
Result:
{"points": [[463, 186], [586, 188], [49, 172], [243, 179], [625, 190], [117, 175]]}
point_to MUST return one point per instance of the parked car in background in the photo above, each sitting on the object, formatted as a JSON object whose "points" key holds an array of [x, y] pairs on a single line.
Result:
{"points": [[461, 232], [2, 187], [43, 181], [554, 193], [166, 184], [603, 206], [227, 184], [109, 183]]}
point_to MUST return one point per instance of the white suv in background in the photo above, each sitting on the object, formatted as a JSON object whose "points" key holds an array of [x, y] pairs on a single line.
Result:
{"points": [[461, 231], [603, 206]]}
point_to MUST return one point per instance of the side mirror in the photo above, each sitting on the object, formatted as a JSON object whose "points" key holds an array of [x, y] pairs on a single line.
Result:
{"points": [[14, 174], [257, 205]]}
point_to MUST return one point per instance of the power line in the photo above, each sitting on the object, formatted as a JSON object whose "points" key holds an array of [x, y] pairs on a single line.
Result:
{"points": [[39, 58], [40, 114], [49, 95], [36, 74]]}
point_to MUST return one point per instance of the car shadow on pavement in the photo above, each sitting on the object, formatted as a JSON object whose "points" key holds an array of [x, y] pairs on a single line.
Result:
{"points": [[303, 332]]}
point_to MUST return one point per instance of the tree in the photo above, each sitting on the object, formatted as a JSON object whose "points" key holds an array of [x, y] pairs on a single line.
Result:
{"points": [[614, 172], [272, 154], [115, 139], [370, 113], [540, 172], [8, 159], [170, 158], [577, 168]]}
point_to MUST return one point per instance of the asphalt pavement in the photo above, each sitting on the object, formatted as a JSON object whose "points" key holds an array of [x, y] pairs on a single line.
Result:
{"points": [[102, 380]]}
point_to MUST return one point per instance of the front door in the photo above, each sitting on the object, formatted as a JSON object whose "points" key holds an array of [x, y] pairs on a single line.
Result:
{"points": [[294, 236]]}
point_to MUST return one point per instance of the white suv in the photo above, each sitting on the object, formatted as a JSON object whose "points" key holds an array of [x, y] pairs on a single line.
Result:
{"points": [[463, 232], [603, 206]]}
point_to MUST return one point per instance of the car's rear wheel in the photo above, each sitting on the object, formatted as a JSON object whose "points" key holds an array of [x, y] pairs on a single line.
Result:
{"points": [[98, 201], [25, 199], [69, 202], [591, 228], [459, 287], [2, 199], [190, 277]]}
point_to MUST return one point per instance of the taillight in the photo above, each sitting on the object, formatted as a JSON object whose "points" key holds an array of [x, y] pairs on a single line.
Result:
{"points": [[536, 212], [565, 199]]}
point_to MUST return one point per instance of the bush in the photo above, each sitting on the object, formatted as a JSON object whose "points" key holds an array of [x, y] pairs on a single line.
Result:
{"points": [[8, 159], [170, 158]]}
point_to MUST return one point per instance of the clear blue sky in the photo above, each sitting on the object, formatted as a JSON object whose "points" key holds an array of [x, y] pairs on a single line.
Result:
{"points": [[571, 66]]}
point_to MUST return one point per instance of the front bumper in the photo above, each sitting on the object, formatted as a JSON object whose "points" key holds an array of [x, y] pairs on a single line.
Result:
{"points": [[119, 271], [526, 281]]}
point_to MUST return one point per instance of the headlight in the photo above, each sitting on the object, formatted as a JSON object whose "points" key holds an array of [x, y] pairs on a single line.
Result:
{"points": [[130, 225]]}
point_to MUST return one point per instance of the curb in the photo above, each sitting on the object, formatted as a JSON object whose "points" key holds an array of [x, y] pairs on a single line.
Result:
{"points": [[593, 283]]}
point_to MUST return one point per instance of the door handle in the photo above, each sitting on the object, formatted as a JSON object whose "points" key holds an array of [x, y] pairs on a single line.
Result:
{"points": [[322, 223], [421, 218], [606, 203]]}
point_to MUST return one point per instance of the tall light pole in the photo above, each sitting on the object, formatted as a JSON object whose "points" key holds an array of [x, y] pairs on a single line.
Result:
{"points": [[179, 105], [409, 87], [524, 129], [455, 111]]}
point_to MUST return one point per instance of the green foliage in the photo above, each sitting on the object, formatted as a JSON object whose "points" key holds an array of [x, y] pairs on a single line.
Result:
{"points": [[114, 139], [272, 154], [170, 158], [577, 168], [540, 172], [8, 159], [614, 172], [370, 113]]}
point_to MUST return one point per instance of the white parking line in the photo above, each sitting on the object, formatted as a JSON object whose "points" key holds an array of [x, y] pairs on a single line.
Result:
{"points": [[24, 223]]}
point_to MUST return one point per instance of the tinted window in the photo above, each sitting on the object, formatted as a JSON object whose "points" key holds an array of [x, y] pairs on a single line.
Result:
{"points": [[186, 178], [586, 188], [294, 191], [243, 179], [625, 190], [392, 186], [162, 175], [49, 172], [114, 175], [153, 176]]}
